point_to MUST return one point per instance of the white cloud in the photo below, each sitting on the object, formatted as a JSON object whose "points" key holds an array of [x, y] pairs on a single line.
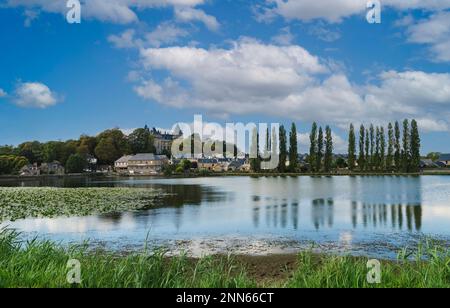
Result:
{"points": [[165, 33], [2, 93], [188, 14], [336, 11], [288, 81], [124, 40], [434, 32], [35, 95], [285, 37], [116, 11]]}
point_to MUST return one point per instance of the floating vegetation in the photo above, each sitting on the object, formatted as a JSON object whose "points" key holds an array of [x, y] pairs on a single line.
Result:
{"points": [[18, 203]]}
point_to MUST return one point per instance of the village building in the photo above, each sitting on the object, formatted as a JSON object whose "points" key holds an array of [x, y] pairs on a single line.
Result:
{"points": [[52, 168], [444, 159], [163, 141], [141, 164], [30, 170], [121, 165]]}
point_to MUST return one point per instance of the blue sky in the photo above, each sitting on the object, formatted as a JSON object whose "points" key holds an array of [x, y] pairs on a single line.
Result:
{"points": [[158, 62]]}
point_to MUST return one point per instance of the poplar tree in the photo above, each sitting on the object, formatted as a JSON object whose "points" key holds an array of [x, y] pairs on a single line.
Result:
{"points": [[328, 161], [406, 151], [361, 159], [367, 145], [351, 148], [390, 152], [377, 148], [255, 162], [319, 150], [313, 147], [293, 149], [382, 149], [397, 147], [372, 147], [283, 149], [415, 147]]}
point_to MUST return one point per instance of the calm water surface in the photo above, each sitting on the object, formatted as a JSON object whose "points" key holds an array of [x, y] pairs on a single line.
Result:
{"points": [[372, 216]]}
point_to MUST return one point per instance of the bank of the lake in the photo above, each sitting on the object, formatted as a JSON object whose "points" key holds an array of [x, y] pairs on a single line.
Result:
{"points": [[45, 264]]}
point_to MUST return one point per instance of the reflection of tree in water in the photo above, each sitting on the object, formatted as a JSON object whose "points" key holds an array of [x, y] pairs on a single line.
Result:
{"points": [[323, 213], [277, 214], [377, 215], [179, 195]]}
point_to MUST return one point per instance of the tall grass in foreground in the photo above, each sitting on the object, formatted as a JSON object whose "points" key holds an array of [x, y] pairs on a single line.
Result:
{"points": [[43, 264]]}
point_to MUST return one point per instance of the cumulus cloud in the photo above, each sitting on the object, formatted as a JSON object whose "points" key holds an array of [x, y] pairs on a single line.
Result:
{"points": [[35, 95], [189, 14], [116, 11], [434, 32], [336, 11], [254, 78], [2, 93]]}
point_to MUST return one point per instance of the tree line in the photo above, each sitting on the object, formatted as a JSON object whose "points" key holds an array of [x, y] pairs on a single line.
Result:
{"points": [[106, 147], [399, 151]]}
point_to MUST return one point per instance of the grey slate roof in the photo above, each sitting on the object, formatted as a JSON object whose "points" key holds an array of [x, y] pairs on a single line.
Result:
{"points": [[146, 157], [444, 157]]}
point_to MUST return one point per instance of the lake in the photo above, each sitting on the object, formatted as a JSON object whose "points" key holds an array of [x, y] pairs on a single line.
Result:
{"points": [[362, 215]]}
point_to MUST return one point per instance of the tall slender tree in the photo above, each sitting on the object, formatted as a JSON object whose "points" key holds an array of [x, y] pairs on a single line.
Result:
{"points": [[382, 149], [390, 151], [377, 149], [255, 162], [319, 150], [415, 147], [283, 149], [397, 146], [362, 158], [313, 147], [293, 149], [406, 151], [367, 148], [351, 148], [372, 147], [328, 161]]}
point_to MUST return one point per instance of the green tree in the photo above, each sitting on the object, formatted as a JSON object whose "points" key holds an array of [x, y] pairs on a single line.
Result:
{"points": [[111, 145], [406, 150], [362, 157], [377, 162], [320, 150], [372, 147], [11, 164], [141, 141], [351, 148], [283, 149], [255, 161], [293, 149], [313, 147], [397, 146], [87, 145], [382, 149], [390, 152], [328, 161], [31, 151], [53, 151], [367, 148], [415, 147], [76, 163]]}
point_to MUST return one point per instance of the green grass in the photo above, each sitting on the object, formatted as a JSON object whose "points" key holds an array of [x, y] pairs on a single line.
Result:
{"points": [[44, 264], [25, 202]]}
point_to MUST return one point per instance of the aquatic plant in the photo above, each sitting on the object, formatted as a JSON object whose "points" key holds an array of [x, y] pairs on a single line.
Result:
{"points": [[24, 202]]}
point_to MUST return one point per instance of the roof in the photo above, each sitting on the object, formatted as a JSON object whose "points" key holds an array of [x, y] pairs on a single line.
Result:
{"points": [[124, 159], [444, 157], [147, 156]]}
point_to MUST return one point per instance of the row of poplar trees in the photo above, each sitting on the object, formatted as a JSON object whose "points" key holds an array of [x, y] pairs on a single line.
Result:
{"points": [[399, 152], [321, 149], [285, 153]]}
